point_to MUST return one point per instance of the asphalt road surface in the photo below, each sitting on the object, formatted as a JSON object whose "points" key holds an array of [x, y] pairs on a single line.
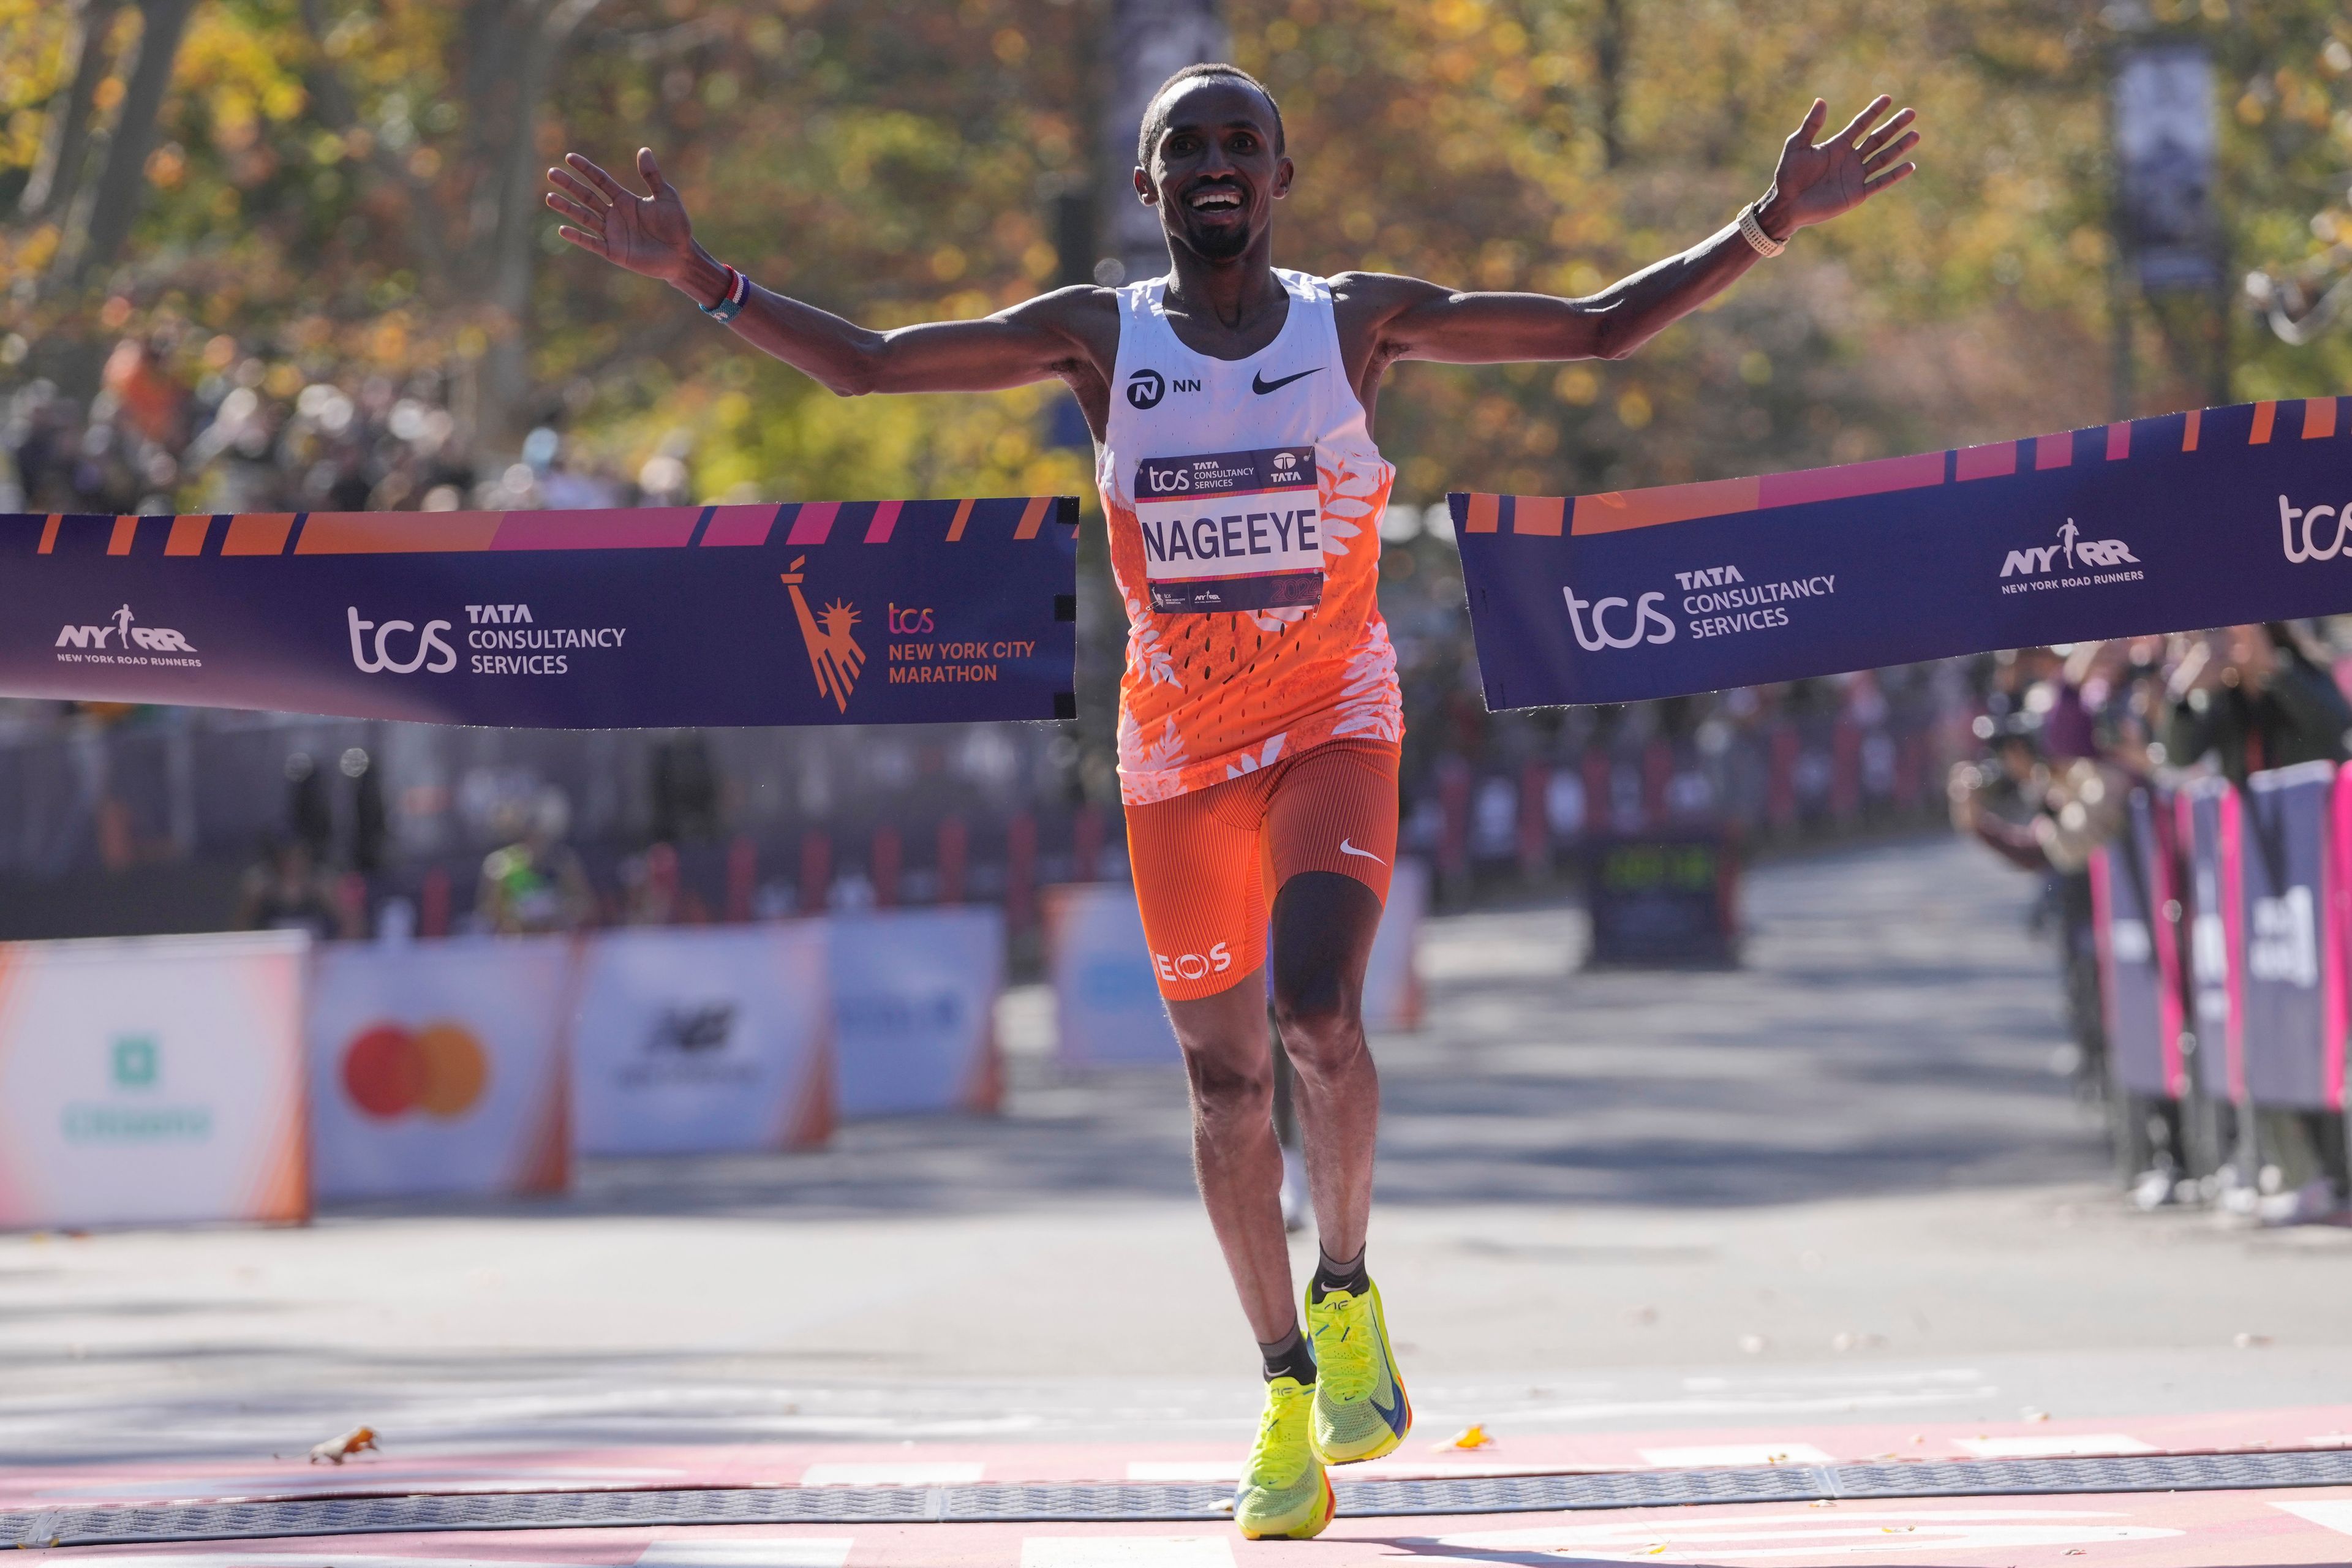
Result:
{"points": [[1836, 1200]]}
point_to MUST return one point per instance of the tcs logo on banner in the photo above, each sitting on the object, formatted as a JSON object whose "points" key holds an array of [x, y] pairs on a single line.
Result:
{"points": [[1645, 621], [439, 1069]]}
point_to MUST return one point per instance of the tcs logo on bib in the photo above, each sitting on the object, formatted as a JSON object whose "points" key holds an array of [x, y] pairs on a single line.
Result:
{"points": [[1194, 965]]}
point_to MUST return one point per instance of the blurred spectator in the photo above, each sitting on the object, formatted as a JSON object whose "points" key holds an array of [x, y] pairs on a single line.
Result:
{"points": [[2255, 697], [370, 824], [536, 884], [655, 893], [2048, 816], [685, 788], [286, 891], [310, 817]]}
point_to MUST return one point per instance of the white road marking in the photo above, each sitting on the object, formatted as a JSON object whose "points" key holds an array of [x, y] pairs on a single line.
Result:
{"points": [[1125, 1552], [260, 1556], [1184, 1469], [2335, 1516], [2089, 1445], [904, 1473], [746, 1551], [1844, 1533], [1735, 1456]]}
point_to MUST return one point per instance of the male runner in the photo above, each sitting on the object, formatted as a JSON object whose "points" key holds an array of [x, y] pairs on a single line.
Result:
{"points": [[1230, 404]]}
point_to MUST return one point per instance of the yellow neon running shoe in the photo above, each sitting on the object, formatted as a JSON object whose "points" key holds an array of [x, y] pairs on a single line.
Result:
{"points": [[1360, 1409], [1284, 1491]]}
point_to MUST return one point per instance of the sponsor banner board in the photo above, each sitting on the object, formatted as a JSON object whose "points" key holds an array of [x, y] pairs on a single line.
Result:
{"points": [[2291, 994], [152, 1080], [914, 1010], [1106, 1002], [2139, 973], [440, 1067], [1392, 977], [701, 1041], [1666, 900], [2213, 516], [2206, 813], [804, 613]]}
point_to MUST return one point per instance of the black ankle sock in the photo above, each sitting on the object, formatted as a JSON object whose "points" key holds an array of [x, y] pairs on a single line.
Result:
{"points": [[1332, 1274], [1288, 1357]]}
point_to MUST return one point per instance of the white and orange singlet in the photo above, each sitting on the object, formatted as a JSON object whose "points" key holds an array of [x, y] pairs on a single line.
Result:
{"points": [[1259, 714], [1245, 498]]}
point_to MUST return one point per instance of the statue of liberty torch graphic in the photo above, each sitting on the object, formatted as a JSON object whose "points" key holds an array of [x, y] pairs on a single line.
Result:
{"points": [[833, 653]]}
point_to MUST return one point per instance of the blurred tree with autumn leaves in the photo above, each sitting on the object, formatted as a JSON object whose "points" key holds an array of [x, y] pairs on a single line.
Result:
{"points": [[340, 188]]}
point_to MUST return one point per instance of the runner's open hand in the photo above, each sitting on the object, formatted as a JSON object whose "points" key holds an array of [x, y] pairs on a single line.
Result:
{"points": [[1816, 183], [647, 235]]}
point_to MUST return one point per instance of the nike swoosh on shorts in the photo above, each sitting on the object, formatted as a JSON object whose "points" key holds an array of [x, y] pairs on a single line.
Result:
{"points": [[1259, 385], [1347, 849]]}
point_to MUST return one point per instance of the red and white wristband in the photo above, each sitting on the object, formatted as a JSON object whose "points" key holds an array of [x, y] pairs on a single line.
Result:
{"points": [[730, 300]]}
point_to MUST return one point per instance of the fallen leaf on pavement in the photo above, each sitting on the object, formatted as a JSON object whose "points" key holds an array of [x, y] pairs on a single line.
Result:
{"points": [[335, 1450]]}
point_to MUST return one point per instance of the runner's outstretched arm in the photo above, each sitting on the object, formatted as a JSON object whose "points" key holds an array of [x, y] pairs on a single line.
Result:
{"points": [[652, 236], [1414, 320]]}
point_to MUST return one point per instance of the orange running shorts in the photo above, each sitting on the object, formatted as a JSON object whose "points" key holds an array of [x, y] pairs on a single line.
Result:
{"points": [[1208, 863]]}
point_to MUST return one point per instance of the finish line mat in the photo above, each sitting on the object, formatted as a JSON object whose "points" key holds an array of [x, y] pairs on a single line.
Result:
{"points": [[1167, 1500], [2212, 518], [804, 613]]}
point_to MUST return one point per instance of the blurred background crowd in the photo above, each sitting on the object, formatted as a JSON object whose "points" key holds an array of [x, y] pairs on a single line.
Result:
{"points": [[285, 255]]}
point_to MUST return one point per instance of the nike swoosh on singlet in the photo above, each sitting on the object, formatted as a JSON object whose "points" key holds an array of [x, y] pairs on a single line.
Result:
{"points": [[1347, 849], [1259, 385]]}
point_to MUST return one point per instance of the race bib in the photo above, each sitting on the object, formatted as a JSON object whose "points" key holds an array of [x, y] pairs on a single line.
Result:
{"points": [[1231, 530]]}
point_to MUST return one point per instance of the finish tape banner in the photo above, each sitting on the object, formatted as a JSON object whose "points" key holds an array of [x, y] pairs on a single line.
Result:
{"points": [[2212, 518], [804, 613]]}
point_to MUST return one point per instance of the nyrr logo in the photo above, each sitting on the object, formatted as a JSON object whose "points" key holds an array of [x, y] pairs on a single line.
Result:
{"points": [[154, 639], [1646, 623], [430, 652], [1194, 965], [2312, 520], [1145, 388], [2035, 560], [834, 654]]}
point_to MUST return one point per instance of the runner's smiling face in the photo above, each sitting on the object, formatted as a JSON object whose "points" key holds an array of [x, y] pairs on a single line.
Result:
{"points": [[1214, 172]]}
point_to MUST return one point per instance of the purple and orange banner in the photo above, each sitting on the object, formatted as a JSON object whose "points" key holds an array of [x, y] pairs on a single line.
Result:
{"points": [[2211, 518], [804, 613]]}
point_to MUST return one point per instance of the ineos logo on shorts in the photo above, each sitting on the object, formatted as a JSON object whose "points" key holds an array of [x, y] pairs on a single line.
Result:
{"points": [[1145, 388], [1194, 965], [2312, 519], [430, 652], [1645, 615]]}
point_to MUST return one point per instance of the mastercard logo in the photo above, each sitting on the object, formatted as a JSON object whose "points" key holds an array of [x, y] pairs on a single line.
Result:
{"points": [[439, 1069]]}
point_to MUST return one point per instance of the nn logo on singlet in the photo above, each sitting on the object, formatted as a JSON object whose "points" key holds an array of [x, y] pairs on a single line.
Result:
{"points": [[834, 655], [1145, 388]]}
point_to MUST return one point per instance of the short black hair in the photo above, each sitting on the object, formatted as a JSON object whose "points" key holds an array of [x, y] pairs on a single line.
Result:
{"points": [[1155, 117]]}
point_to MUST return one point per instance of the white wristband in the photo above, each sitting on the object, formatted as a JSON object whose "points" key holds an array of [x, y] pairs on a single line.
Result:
{"points": [[1754, 233]]}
